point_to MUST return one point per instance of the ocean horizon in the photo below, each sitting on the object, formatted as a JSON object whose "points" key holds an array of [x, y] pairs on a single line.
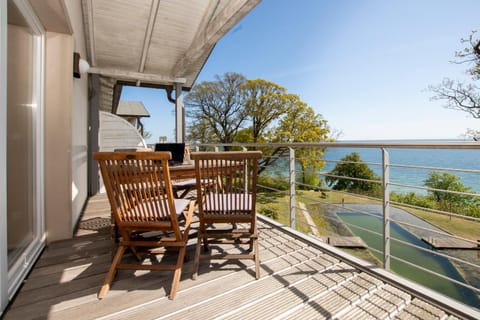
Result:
{"points": [[436, 159]]}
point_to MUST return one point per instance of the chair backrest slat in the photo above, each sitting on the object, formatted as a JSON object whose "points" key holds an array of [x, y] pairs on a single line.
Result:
{"points": [[226, 184], [138, 187]]}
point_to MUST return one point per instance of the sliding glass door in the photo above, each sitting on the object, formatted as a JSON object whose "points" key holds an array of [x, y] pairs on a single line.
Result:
{"points": [[24, 104]]}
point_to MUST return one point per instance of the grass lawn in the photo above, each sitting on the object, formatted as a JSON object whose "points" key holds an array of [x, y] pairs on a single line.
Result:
{"points": [[279, 203], [457, 226]]}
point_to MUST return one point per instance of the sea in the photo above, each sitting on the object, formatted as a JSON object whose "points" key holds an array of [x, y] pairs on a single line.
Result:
{"points": [[432, 158]]}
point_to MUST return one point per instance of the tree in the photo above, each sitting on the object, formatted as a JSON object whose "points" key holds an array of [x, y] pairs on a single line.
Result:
{"points": [[302, 124], [146, 134], [460, 95], [471, 54], [220, 105], [265, 102], [351, 166], [201, 131], [450, 182]]}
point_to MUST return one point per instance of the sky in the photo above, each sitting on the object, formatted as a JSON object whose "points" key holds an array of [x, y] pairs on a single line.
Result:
{"points": [[364, 65]]}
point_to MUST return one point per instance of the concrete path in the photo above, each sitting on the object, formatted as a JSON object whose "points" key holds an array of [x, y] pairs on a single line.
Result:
{"points": [[310, 222]]}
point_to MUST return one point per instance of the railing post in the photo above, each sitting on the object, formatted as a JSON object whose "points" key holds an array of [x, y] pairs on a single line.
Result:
{"points": [[386, 209], [292, 187]]}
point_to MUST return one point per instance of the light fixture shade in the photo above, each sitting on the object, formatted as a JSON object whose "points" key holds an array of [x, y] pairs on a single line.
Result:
{"points": [[83, 66], [80, 66]]}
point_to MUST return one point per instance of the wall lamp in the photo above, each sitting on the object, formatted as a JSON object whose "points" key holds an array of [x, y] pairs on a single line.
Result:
{"points": [[80, 66]]}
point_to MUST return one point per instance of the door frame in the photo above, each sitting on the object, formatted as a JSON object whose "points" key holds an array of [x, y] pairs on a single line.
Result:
{"points": [[11, 279]]}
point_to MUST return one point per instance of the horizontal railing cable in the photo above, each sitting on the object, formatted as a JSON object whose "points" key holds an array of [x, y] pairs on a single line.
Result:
{"points": [[445, 213], [434, 168], [434, 189], [278, 166]]}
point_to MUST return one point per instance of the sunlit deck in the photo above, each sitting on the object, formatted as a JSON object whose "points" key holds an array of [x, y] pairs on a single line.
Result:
{"points": [[299, 281]]}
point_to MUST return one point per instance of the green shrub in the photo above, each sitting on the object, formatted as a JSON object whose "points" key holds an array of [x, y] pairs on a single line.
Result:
{"points": [[276, 181], [269, 211]]}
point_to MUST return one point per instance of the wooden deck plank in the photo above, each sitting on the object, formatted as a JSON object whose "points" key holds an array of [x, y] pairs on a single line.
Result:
{"points": [[124, 280], [132, 299], [60, 267], [298, 280], [419, 309], [382, 304], [241, 293], [78, 272]]}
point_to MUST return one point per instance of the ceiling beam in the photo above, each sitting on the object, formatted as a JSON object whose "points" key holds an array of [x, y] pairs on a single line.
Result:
{"points": [[217, 27], [148, 34], [134, 76], [88, 29]]}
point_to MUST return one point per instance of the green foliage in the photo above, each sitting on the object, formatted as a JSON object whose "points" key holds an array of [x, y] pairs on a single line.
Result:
{"points": [[216, 108], [440, 200], [244, 136], [274, 181], [302, 124], [450, 182], [230, 106], [311, 179], [413, 199], [234, 109], [472, 210], [265, 102], [351, 166], [269, 211], [201, 132]]}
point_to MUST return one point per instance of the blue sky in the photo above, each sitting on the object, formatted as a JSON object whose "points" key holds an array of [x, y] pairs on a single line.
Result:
{"points": [[365, 65]]}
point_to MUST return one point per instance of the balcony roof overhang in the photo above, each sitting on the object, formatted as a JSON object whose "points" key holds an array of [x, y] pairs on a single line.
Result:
{"points": [[156, 42], [159, 43], [149, 43]]}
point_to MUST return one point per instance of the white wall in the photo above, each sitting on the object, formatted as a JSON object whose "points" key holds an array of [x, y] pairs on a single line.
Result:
{"points": [[79, 114], [58, 135], [3, 158], [117, 133]]}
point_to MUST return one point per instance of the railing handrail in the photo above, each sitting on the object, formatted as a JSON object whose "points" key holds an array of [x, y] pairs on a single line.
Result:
{"points": [[386, 183], [343, 144]]}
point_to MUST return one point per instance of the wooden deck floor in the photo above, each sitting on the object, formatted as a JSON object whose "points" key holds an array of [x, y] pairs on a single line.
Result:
{"points": [[298, 281]]}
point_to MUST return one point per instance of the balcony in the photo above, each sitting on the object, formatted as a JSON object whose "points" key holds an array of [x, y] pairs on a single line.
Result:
{"points": [[302, 276]]}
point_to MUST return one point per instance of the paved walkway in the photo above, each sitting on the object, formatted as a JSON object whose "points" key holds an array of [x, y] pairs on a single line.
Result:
{"points": [[308, 217]]}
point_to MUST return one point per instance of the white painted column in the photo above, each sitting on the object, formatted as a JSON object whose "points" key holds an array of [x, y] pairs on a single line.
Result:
{"points": [[386, 208], [293, 179], [179, 113], [3, 158]]}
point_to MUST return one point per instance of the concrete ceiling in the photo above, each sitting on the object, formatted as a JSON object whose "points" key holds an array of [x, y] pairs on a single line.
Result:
{"points": [[156, 42]]}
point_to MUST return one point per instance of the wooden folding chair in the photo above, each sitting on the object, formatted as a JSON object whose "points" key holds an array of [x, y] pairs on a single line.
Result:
{"points": [[227, 209], [141, 198]]}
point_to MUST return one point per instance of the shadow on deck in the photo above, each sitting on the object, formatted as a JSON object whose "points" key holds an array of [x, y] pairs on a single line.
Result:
{"points": [[299, 280]]}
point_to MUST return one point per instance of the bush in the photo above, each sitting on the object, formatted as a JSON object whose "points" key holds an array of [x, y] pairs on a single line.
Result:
{"points": [[276, 181], [351, 166], [413, 199], [269, 211]]}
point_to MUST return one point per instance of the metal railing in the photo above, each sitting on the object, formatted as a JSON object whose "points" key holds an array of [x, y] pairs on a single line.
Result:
{"points": [[465, 262]]}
